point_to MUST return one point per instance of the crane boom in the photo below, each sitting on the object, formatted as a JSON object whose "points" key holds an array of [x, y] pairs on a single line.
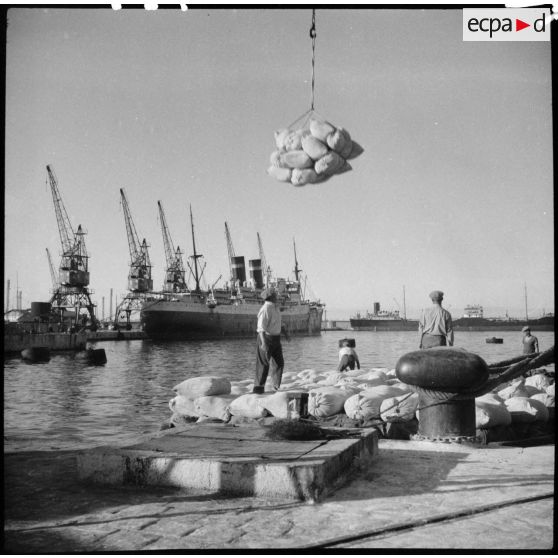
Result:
{"points": [[139, 276], [230, 249], [53, 274], [64, 226], [175, 276], [297, 270]]}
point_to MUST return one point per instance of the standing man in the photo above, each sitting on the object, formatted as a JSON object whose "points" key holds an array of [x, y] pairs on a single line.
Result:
{"points": [[435, 325], [530, 342], [269, 342]]}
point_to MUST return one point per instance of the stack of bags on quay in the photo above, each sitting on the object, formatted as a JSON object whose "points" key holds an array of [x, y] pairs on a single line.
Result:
{"points": [[367, 397], [524, 406]]}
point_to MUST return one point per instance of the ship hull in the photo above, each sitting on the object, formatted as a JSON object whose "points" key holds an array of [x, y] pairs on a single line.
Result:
{"points": [[484, 324], [185, 320], [364, 324]]}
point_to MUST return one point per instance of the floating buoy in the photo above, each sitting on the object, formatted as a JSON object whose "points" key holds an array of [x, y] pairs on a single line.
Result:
{"points": [[36, 354]]}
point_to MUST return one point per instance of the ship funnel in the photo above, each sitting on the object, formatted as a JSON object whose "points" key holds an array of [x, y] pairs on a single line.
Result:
{"points": [[238, 268], [376, 308], [256, 274]]}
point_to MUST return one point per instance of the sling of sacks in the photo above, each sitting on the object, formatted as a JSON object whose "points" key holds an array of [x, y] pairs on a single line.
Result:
{"points": [[311, 155]]}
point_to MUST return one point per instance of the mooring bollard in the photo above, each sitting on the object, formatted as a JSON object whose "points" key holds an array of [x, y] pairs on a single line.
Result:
{"points": [[444, 378]]}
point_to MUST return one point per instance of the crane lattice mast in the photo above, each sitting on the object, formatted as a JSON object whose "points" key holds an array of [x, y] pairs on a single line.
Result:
{"points": [[139, 276], [297, 269], [53, 274], [73, 276], [175, 275]]}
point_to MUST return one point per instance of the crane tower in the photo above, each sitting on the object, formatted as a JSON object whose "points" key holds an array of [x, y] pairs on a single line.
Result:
{"points": [[139, 276], [175, 274], [73, 277]]}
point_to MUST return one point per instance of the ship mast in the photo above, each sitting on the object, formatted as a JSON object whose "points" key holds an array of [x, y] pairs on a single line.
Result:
{"points": [[404, 307], [526, 315], [297, 270], [196, 255]]}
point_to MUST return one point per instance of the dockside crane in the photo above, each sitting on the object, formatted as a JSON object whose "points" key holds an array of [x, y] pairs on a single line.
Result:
{"points": [[175, 274], [73, 278], [139, 276]]}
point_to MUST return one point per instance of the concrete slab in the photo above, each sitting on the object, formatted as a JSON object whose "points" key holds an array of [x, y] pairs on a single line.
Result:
{"points": [[232, 460]]}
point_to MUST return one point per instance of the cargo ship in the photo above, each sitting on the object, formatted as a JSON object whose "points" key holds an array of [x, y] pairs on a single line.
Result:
{"points": [[382, 320], [473, 320], [231, 311]]}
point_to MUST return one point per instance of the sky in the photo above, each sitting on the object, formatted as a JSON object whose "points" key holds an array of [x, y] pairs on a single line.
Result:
{"points": [[454, 189]]}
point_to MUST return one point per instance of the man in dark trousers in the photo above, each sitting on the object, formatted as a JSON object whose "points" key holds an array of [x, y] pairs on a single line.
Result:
{"points": [[269, 342], [435, 325]]}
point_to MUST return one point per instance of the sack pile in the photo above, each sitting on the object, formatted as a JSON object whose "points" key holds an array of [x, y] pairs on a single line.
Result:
{"points": [[312, 154]]}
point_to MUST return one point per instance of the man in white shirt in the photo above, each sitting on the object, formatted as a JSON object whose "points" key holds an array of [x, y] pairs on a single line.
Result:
{"points": [[269, 343], [435, 325]]}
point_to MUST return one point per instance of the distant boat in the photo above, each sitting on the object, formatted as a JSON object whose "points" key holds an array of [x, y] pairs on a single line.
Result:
{"points": [[382, 320], [473, 320]]}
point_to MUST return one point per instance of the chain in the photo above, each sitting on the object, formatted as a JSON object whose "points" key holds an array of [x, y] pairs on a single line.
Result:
{"points": [[313, 37]]}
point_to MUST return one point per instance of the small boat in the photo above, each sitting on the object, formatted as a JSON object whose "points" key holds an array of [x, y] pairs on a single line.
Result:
{"points": [[497, 340]]}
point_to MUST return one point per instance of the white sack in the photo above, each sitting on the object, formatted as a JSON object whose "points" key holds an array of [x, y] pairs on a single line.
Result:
{"points": [[214, 406], [329, 164], [548, 400], [516, 389], [540, 381], [183, 406], [301, 177], [314, 147], [298, 159], [203, 385], [524, 409], [321, 129], [366, 404], [279, 406], [489, 414], [248, 406], [281, 174], [399, 409], [326, 401], [550, 389], [338, 140]]}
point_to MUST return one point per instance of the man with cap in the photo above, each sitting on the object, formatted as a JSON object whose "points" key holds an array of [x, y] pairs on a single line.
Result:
{"points": [[269, 342], [530, 342], [435, 324]]}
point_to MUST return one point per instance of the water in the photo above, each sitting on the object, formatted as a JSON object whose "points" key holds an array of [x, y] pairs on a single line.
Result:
{"points": [[67, 404]]}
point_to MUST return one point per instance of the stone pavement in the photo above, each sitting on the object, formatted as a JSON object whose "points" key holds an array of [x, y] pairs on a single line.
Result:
{"points": [[416, 495]]}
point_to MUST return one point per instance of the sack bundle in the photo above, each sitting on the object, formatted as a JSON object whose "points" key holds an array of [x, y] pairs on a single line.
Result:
{"points": [[249, 405], [366, 404], [203, 385], [312, 153], [525, 409], [214, 406], [326, 401], [490, 413], [540, 381], [183, 406], [399, 409]]}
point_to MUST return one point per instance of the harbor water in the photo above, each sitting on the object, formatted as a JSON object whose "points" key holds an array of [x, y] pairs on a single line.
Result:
{"points": [[68, 404]]}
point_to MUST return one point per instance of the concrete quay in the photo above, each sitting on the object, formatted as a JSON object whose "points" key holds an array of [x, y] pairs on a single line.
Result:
{"points": [[413, 495], [233, 460]]}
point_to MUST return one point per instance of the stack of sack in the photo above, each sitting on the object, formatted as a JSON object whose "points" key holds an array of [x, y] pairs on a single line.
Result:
{"points": [[519, 402], [312, 153], [361, 395]]}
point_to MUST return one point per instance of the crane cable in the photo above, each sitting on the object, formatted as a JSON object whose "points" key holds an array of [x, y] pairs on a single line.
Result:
{"points": [[313, 37]]}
